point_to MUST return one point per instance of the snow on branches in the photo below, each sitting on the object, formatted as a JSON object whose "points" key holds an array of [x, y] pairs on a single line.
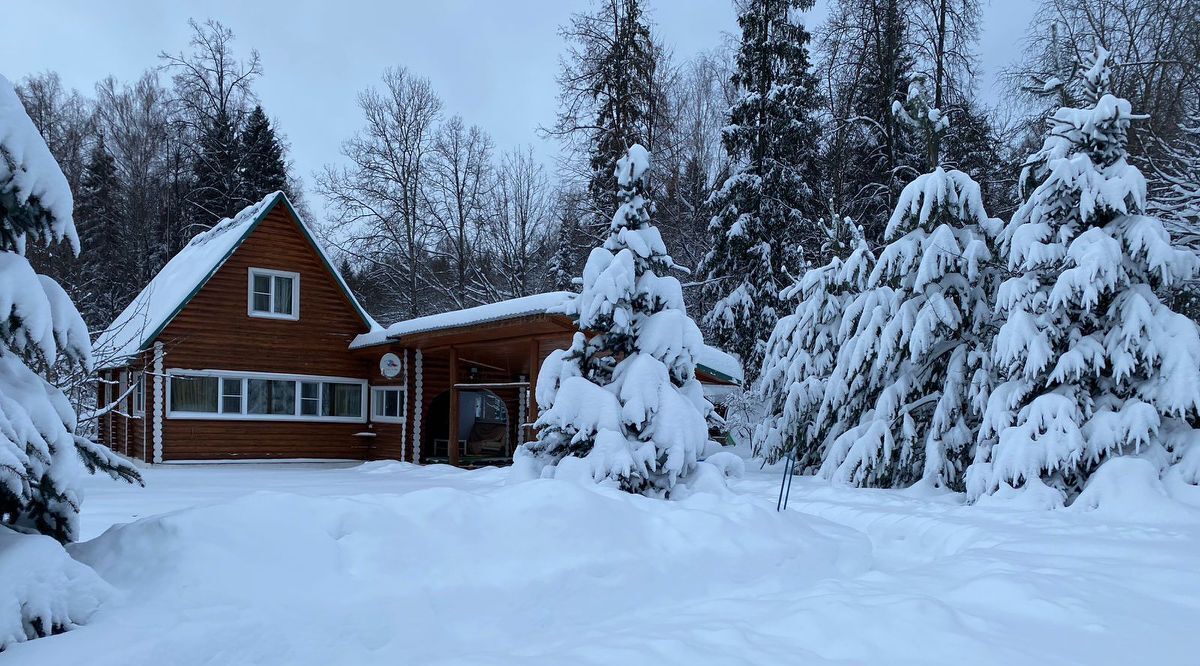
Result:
{"points": [[40, 456], [1092, 363], [622, 405], [760, 219], [911, 375], [804, 346]]}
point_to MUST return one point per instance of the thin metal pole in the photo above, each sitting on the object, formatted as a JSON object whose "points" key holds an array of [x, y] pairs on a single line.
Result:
{"points": [[788, 464], [791, 474]]}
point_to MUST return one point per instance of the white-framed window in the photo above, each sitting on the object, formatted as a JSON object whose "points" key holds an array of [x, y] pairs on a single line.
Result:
{"points": [[263, 396], [387, 404], [273, 294], [139, 392], [232, 390]]}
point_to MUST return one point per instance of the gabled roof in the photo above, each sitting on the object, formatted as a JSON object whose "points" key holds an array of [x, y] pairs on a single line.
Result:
{"points": [[711, 360], [136, 328]]}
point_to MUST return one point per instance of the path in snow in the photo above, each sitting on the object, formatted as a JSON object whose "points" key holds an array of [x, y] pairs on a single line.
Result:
{"points": [[389, 563]]}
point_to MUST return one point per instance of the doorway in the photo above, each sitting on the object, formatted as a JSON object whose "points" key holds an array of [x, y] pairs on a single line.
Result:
{"points": [[484, 436]]}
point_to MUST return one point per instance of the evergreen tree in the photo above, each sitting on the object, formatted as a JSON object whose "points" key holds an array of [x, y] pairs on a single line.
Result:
{"points": [[972, 146], [41, 456], [626, 400], [626, 74], [610, 99], [1092, 364], [217, 184], [762, 212], [565, 256], [904, 399], [804, 345], [98, 211], [1175, 198], [261, 166], [871, 154]]}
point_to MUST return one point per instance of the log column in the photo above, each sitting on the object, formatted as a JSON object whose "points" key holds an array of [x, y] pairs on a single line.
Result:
{"points": [[534, 353], [452, 445]]}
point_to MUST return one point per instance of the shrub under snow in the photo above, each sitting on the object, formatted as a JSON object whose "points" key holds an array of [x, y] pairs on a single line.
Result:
{"points": [[42, 590]]}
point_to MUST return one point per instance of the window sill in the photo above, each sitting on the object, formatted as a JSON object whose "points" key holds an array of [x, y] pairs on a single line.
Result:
{"points": [[271, 315], [204, 416]]}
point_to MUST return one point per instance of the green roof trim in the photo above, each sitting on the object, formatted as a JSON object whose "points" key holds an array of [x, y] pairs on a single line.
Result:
{"points": [[718, 374]]}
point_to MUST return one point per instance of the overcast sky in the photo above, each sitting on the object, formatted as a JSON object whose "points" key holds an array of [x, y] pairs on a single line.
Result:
{"points": [[492, 62]]}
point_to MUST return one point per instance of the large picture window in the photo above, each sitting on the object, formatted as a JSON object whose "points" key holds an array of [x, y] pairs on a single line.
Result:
{"points": [[194, 393], [274, 294], [270, 396], [218, 394]]}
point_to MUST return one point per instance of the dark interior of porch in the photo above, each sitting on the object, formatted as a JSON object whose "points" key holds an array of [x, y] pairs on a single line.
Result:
{"points": [[486, 406]]}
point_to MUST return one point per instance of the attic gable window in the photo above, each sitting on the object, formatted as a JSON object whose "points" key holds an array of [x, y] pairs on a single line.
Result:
{"points": [[273, 294]]}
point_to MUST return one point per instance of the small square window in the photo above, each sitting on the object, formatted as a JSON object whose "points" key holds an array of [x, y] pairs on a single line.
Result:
{"points": [[274, 294], [388, 402]]}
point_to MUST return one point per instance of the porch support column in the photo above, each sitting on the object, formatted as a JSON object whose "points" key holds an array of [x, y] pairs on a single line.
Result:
{"points": [[160, 401], [418, 403], [534, 349], [452, 445], [404, 408]]}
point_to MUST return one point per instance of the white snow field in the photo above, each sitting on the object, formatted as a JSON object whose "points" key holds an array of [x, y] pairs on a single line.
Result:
{"points": [[389, 563]]}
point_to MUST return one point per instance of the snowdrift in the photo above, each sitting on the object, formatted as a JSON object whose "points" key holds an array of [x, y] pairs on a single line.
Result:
{"points": [[283, 578]]}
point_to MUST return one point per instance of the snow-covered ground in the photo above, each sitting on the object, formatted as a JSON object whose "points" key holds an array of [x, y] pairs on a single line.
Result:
{"points": [[387, 563]]}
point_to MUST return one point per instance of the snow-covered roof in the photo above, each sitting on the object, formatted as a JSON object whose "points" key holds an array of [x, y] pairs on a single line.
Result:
{"points": [[537, 304], [712, 360], [718, 362], [183, 276]]}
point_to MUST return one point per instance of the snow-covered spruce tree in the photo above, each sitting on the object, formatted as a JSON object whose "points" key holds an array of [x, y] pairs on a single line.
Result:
{"points": [[904, 399], [41, 457], [624, 398], [1091, 364], [804, 345], [760, 222]]}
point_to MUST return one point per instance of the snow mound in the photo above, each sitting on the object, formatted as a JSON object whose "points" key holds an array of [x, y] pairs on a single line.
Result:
{"points": [[296, 579], [42, 590], [1129, 487]]}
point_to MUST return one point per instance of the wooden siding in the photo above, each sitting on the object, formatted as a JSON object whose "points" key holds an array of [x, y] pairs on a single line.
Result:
{"points": [[214, 331]]}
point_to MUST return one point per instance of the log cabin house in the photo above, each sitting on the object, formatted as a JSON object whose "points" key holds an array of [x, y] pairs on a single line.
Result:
{"points": [[249, 345]]}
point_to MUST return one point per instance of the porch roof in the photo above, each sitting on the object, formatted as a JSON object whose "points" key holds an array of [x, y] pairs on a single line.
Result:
{"points": [[513, 308], [711, 361]]}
